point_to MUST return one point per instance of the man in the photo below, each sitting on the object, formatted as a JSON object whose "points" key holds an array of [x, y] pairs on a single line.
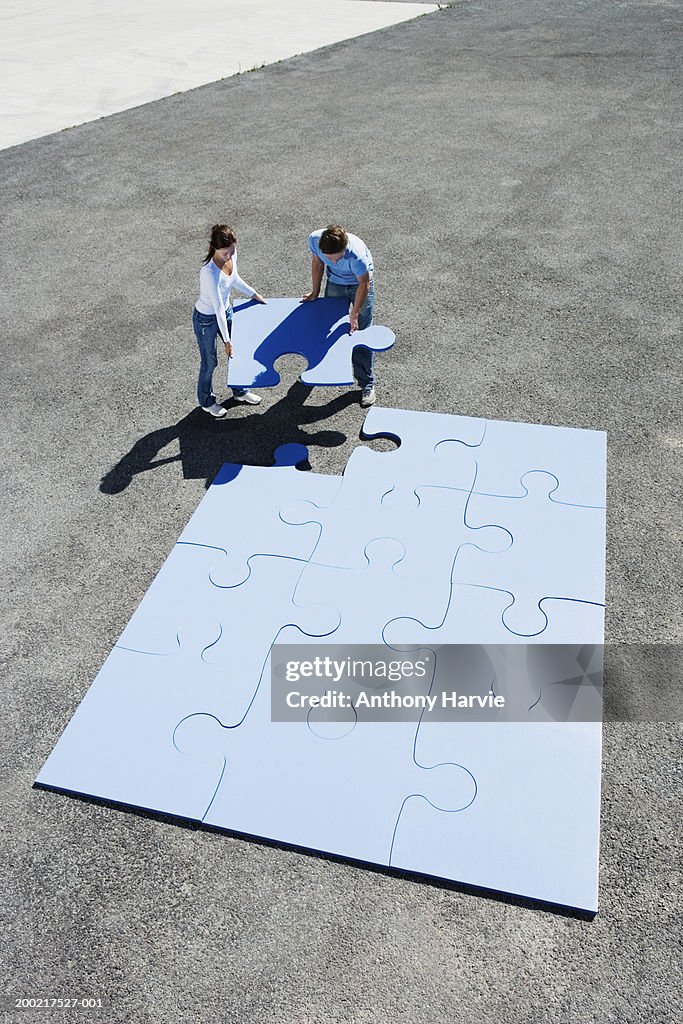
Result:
{"points": [[348, 262]]}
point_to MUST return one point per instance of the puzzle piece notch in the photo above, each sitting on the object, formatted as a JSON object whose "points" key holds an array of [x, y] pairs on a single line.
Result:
{"points": [[286, 455], [118, 744], [444, 508], [419, 433], [226, 631], [156, 627], [326, 724], [548, 625], [317, 330], [448, 787], [450, 790], [475, 616], [274, 578]]}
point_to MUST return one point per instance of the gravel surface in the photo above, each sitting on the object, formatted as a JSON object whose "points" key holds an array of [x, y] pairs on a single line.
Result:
{"points": [[512, 167]]}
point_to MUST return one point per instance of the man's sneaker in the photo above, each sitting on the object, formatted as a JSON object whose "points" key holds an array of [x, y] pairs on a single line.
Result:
{"points": [[215, 410], [249, 397], [367, 396]]}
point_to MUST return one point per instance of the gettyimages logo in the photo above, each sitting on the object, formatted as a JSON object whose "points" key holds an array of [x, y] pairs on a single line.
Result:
{"points": [[354, 668]]}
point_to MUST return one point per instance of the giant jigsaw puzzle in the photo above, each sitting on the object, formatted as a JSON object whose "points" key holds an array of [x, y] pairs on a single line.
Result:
{"points": [[470, 532]]}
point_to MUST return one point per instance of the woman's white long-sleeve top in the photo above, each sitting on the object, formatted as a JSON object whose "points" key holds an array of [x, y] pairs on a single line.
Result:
{"points": [[214, 292]]}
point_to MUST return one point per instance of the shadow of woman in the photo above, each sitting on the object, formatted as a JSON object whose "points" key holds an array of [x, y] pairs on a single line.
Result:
{"points": [[206, 444]]}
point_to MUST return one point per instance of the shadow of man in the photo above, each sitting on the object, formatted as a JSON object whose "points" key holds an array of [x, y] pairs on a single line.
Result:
{"points": [[205, 444]]}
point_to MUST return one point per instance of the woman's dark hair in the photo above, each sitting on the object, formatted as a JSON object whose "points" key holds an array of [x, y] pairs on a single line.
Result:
{"points": [[221, 237], [333, 239]]}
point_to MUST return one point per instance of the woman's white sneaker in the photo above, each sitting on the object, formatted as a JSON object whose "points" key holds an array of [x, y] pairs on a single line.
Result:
{"points": [[215, 410], [249, 397]]}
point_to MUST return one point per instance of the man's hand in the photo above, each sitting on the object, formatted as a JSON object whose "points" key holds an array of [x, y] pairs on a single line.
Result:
{"points": [[362, 292], [317, 268], [258, 298], [228, 349]]}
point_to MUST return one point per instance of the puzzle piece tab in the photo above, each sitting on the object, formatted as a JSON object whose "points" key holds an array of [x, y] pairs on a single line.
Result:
{"points": [[369, 595], [441, 449], [434, 449], [118, 743], [535, 824]]}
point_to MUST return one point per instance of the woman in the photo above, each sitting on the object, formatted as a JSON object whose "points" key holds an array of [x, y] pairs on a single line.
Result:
{"points": [[212, 315]]}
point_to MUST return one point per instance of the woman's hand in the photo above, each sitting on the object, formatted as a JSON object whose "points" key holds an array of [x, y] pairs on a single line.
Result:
{"points": [[310, 296], [258, 298], [228, 349]]}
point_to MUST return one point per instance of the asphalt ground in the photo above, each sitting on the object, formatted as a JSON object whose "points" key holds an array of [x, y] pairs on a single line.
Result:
{"points": [[513, 169]]}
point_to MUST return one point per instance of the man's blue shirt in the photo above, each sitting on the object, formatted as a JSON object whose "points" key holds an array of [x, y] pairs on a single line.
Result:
{"points": [[355, 263]]}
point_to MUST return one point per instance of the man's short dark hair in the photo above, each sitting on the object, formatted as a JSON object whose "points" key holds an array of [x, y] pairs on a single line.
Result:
{"points": [[333, 240]]}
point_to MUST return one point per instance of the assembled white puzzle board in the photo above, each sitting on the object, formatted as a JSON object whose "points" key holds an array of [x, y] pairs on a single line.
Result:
{"points": [[470, 532]]}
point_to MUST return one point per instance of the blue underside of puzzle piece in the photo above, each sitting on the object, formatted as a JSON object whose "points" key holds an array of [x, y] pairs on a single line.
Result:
{"points": [[318, 331]]}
